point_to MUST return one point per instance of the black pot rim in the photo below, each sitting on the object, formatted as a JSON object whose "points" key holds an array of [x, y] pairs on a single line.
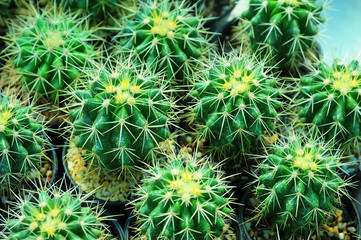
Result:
{"points": [[121, 204], [55, 165], [244, 232], [114, 225]]}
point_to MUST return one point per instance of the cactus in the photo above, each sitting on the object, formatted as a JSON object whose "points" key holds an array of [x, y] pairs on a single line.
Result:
{"points": [[55, 215], [236, 102], [184, 199], [285, 30], [101, 10], [122, 116], [167, 36], [22, 142], [298, 183], [329, 98], [50, 49]]}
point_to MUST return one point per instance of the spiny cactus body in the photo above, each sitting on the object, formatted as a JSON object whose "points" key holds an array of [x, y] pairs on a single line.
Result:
{"points": [[236, 102], [57, 216], [298, 184], [183, 200], [285, 30], [122, 116], [22, 142], [100, 10], [329, 98], [50, 50], [167, 36]]}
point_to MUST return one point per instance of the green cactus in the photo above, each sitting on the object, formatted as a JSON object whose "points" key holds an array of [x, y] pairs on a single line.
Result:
{"points": [[55, 215], [50, 49], [122, 116], [298, 183], [329, 98], [22, 142], [285, 30], [184, 199], [167, 36], [101, 10], [236, 102]]}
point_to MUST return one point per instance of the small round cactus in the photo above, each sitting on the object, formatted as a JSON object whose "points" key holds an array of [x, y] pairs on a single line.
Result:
{"points": [[298, 183], [329, 98], [184, 199], [167, 36], [284, 30], [236, 102], [55, 215], [122, 116], [22, 142], [49, 50]]}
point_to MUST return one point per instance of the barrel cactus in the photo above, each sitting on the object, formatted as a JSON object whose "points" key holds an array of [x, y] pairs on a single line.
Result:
{"points": [[329, 98], [285, 30], [49, 50], [22, 143], [235, 102], [298, 184], [184, 199], [122, 116], [167, 36], [55, 215]]}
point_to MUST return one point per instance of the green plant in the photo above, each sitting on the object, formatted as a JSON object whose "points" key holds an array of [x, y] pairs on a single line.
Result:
{"points": [[52, 214], [122, 116], [50, 50], [22, 142], [167, 36], [101, 10], [184, 199], [235, 102], [285, 30], [329, 98], [298, 183]]}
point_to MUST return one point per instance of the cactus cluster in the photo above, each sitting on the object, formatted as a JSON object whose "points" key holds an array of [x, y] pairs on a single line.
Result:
{"points": [[236, 102], [22, 142], [284, 30], [329, 98], [299, 183], [184, 199], [57, 216], [50, 50], [167, 36], [120, 118]]}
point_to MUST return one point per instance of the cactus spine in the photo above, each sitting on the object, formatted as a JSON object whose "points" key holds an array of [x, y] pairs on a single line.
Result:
{"points": [[184, 199]]}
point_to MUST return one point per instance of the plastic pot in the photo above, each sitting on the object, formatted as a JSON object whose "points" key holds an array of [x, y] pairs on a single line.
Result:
{"points": [[114, 227], [351, 205], [111, 206]]}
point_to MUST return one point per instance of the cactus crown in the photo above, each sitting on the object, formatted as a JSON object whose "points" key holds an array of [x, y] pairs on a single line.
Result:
{"points": [[122, 116], [329, 98], [48, 50], [285, 30], [22, 142], [185, 199], [298, 183], [236, 101], [166, 35], [55, 215]]}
